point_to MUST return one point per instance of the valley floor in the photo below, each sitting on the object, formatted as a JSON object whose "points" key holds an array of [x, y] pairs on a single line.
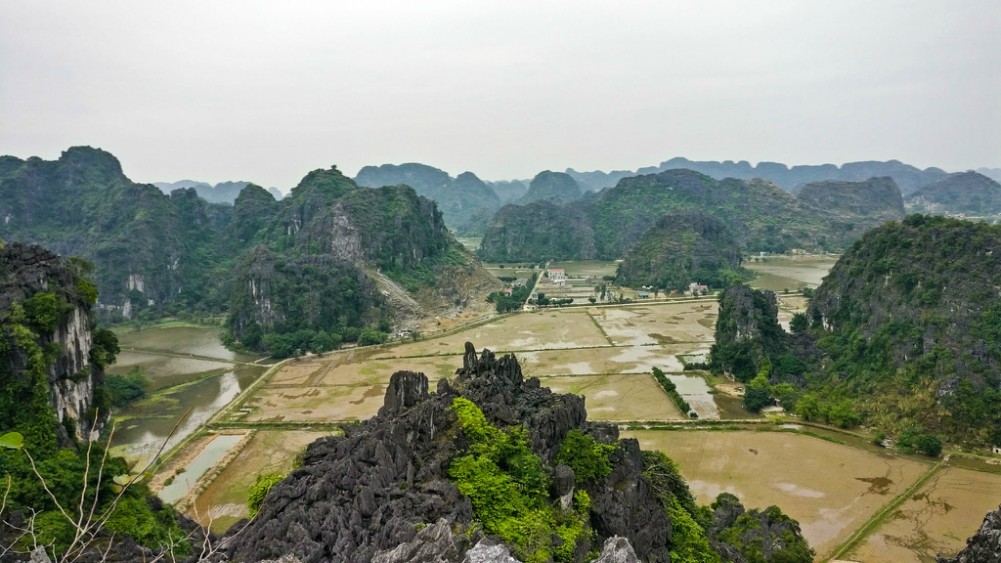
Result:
{"points": [[853, 500]]}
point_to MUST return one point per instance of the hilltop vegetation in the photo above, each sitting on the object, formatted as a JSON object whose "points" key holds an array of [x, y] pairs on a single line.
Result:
{"points": [[789, 178], [309, 265], [680, 249], [760, 215], [967, 193], [904, 334], [556, 187], [466, 202]]}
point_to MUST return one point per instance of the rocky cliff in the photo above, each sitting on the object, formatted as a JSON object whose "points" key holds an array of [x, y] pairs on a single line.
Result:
{"points": [[466, 202], [682, 248], [47, 321], [395, 488], [557, 187], [748, 334], [966, 193], [983, 546]]}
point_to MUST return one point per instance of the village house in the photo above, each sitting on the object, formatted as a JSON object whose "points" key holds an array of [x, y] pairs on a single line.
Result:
{"points": [[557, 276], [695, 289]]}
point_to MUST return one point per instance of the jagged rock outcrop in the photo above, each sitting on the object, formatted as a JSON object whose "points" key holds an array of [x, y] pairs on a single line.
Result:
{"points": [[983, 546], [364, 496], [682, 248], [748, 334]]}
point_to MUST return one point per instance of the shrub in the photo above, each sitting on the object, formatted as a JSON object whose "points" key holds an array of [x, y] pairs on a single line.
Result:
{"points": [[260, 489]]}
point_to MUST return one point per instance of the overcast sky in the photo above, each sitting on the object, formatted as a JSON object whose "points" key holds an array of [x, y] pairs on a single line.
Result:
{"points": [[266, 91]]}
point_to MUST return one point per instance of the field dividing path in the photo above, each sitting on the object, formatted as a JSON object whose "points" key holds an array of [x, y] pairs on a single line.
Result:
{"points": [[872, 523]]}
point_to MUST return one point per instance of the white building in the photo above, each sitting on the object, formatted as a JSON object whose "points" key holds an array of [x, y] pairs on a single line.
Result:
{"points": [[557, 276]]}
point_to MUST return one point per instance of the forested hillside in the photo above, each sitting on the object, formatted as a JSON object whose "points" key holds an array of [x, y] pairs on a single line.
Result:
{"points": [[904, 334], [680, 249], [760, 215], [465, 201], [268, 263]]}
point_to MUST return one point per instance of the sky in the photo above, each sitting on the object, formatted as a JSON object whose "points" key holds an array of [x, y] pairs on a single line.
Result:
{"points": [[267, 91]]}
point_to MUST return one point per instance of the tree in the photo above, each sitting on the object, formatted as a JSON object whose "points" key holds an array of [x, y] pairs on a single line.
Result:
{"points": [[808, 407], [757, 394], [929, 445], [799, 323]]}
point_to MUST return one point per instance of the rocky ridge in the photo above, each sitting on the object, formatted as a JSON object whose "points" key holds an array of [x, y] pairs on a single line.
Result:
{"points": [[383, 491]]}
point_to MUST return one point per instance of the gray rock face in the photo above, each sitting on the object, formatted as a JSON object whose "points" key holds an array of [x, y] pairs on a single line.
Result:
{"points": [[487, 552], [984, 546], [26, 270], [434, 544], [617, 550]]}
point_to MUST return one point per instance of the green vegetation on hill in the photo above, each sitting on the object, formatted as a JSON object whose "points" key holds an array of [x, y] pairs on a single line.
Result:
{"points": [[680, 249], [967, 193], [310, 262], [760, 216], [466, 202], [909, 319], [557, 187], [902, 335]]}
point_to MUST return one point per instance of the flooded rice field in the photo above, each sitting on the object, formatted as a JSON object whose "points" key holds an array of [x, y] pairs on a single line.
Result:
{"points": [[831, 489], [936, 519], [602, 353], [779, 273], [188, 389]]}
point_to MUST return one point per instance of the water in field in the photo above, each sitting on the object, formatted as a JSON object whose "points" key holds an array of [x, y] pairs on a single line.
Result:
{"points": [[790, 272], [208, 457], [192, 376]]}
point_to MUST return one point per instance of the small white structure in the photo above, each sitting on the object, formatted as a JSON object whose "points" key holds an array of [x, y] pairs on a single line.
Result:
{"points": [[996, 450], [696, 289], [557, 276]]}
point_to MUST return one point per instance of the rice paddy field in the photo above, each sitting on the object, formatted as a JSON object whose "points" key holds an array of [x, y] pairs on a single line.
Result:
{"points": [[831, 489], [861, 502]]}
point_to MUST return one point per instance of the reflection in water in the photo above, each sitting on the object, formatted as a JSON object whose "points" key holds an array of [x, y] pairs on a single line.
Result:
{"points": [[208, 457], [146, 433]]}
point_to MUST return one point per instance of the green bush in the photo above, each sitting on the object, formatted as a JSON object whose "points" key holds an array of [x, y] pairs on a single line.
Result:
{"points": [[126, 389], [259, 491], [587, 458], [508, 488]]}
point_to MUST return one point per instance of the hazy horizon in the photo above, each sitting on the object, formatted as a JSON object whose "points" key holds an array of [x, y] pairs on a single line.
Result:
{"points": [[229, 91]]}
